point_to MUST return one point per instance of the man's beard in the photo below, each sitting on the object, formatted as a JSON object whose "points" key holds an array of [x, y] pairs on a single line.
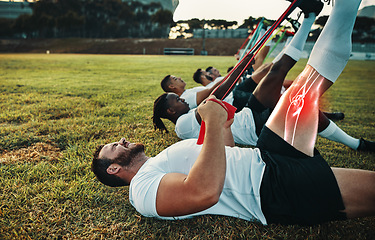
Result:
{"points": [[209, 77], [127, 158]]}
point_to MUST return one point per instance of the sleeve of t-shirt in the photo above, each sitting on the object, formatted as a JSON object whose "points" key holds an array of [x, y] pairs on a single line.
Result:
{"points": [[143, 190]]}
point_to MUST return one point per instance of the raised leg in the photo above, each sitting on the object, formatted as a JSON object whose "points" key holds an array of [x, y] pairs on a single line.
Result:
{"points": [[295, 118], [268, 90], [333, 47]]}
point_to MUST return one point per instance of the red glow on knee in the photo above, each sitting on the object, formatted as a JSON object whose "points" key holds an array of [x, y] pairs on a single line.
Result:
{"points": [[304, 100]]}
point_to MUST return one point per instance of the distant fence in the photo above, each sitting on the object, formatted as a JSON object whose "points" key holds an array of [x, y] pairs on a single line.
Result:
{"points": [[178, 51], [221, 33]]}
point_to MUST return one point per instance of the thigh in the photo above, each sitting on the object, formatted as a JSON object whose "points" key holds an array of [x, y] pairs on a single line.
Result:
{"points": [[357, 188]]}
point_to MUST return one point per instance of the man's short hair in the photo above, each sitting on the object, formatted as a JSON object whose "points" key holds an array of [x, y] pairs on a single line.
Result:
{"points": [[165, 83], [197, 76], [209, 69], [99, 167]]}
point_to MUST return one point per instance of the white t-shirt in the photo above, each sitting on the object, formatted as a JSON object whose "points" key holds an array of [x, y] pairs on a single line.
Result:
{"points": [[243, 127], [241, 193], [190, 96]]}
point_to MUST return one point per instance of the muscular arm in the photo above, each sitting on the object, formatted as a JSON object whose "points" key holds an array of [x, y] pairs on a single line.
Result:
{"points": [[202, 95], [180, 194]]}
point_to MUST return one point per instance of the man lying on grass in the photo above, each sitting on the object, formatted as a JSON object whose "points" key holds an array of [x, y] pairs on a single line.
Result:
{"points": [[249, 122], [283, 180]]}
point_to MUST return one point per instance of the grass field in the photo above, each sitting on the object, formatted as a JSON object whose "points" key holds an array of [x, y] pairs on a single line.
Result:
{"points": [[56, 108]]}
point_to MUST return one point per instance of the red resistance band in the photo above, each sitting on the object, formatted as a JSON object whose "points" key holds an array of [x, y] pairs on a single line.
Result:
{"points": [[230, 110], [256, 48]]}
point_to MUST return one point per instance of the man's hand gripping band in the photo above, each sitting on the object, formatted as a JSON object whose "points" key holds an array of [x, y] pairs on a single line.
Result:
{"points": [[228, 108]]}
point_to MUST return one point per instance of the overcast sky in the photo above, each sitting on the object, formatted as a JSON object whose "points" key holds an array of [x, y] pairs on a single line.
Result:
{"points": [[238, 10]]}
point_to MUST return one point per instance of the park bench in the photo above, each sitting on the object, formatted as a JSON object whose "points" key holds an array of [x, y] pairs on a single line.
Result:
{"points": [[178, 51]]}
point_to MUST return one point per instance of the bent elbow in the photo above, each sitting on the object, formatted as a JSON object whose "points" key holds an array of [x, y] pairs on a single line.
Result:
{"points": [[214, 199], [210, 198]]}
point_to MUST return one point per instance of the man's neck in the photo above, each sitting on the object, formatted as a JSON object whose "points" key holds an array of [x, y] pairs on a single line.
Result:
{"points": [[135, 167], [206, 82], [174, 118], [179, 92]]}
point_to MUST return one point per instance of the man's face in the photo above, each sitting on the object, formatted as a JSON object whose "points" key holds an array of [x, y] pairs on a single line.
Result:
{"points": [[206, 75], [177, 104], [215, 73], [177, 82], [122, 151]]}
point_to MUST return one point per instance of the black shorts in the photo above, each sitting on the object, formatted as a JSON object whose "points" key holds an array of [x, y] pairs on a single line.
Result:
{"points": [[296, 188], [260, 113]]}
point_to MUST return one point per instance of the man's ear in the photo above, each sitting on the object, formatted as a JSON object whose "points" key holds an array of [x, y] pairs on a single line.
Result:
{"points": [[113, 169], [170, 111], [171, 87]]}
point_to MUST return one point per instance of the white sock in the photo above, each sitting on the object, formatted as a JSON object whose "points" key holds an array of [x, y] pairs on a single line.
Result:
{"points": [[288, 40], [332, 50], [295, 47], [334, 133]]}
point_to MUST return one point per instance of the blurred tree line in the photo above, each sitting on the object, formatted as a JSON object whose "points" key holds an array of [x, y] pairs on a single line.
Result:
{"points": [[131, 19], [185, 28], [90, 19], [364, 28]]}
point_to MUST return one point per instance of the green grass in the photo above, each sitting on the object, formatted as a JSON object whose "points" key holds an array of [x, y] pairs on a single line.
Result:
{"points": [[56, 108]]}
